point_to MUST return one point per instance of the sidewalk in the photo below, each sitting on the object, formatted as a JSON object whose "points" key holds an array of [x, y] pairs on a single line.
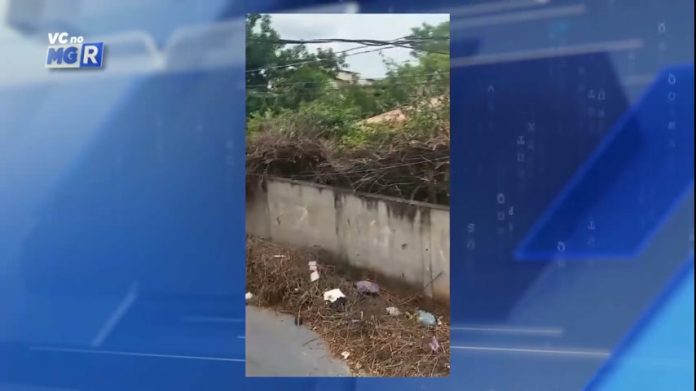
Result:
{"points": [[275, 346]]}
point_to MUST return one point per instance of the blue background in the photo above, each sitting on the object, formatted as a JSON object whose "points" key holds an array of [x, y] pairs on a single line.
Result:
{"points": [[122, 199]]}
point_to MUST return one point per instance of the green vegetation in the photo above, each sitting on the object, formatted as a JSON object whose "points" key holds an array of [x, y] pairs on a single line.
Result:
{"points": [[292, 92], [305, 124]]}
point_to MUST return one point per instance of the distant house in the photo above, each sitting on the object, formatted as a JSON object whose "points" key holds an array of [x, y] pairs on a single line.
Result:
{"points": [[394, 116], [366, 82], [398, 115], [347, 77]]}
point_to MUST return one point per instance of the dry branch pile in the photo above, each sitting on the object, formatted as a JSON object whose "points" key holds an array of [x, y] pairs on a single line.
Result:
{"points": [[379, 344], [409, 169]]}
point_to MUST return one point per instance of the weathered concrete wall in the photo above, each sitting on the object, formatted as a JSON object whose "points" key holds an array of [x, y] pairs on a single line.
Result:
{"points": [[400, 239]]}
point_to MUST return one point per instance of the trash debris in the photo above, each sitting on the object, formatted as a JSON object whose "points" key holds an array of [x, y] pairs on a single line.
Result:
{"points": [[333, 295], [279, 256], [426, 318], [314, 275], [353, 322], [248, 296], [434, 345], [367, 287], [345, 355], [393, 311], [339, 305]]}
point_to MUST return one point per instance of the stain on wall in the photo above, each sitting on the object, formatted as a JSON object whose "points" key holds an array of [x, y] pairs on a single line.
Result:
{"points": [[404, 240]]}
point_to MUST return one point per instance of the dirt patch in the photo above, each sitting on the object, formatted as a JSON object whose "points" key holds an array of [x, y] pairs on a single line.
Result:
{"points": [[379, 344]]}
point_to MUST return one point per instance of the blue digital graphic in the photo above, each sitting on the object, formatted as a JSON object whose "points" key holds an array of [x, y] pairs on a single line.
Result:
{"points": [[663, 340], [652, 143], [122, 204]]}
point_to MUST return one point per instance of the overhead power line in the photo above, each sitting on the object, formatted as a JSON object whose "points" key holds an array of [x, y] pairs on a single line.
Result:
{"points": [[338, 53], [401, 42], [279, 92], [370, 42], [311, 83], [319, 59]]}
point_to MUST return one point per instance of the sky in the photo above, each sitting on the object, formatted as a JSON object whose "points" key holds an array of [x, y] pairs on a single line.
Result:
{"points": [[352, 26]]}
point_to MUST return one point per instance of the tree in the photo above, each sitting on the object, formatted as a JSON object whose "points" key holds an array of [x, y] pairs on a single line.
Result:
{"points": [[281, 76], [290, 91], [428, 77]]}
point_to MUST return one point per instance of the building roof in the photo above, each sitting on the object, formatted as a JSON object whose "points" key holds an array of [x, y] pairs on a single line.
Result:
{"points": [[398, 115]]}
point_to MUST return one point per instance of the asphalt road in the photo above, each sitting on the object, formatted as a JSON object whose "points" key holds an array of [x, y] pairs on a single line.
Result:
{"points": [[275, 346]]}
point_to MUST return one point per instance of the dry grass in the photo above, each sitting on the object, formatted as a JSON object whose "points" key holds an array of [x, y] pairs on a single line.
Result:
{"points": [[379, 344], [404, 168]]}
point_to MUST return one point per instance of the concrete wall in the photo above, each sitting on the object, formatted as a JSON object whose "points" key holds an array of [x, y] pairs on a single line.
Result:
{"points": [[400, 239]]}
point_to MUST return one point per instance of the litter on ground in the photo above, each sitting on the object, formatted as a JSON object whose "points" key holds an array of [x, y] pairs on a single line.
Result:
{"points": [[380, 343], [367, 287], [426, 318], [333, 295], [434, 344]]}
